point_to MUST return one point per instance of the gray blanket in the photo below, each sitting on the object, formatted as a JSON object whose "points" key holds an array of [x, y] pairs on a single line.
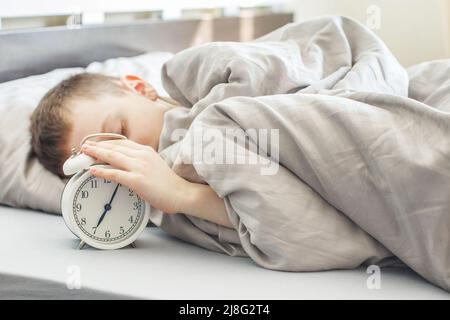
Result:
{"points": [[354, 173]]}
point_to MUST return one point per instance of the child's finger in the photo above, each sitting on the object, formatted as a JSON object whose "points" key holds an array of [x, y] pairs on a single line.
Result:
{"points": [[132, 153], [118, 176], [122, 143], [126, 143], [132, 144], [114, 158]]}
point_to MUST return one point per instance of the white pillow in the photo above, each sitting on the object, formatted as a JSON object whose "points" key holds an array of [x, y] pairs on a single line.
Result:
{"points": [[147, 66], [24, 182]]}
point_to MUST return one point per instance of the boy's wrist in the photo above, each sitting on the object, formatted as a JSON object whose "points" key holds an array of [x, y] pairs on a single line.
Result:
{"points": [[201, 201], [188, 196]]}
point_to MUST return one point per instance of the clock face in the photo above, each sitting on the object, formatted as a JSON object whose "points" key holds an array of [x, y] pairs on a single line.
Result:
{"points": [[106, 212]]}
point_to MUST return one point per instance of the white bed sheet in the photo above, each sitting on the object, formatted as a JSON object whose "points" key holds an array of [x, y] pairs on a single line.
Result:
{"points": [[36, 251]]}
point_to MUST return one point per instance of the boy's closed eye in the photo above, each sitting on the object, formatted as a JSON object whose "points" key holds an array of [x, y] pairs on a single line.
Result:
{"points": [[115, 124]]}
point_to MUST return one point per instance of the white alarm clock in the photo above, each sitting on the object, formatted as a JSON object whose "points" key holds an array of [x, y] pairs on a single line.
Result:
{"points": [[101, 213]]}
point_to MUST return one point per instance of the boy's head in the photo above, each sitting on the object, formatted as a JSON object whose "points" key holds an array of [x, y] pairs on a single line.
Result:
{"points": [[91, 103]]}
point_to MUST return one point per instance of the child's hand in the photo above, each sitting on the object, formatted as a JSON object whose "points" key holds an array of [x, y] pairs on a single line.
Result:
{"points": [[141, 169]]}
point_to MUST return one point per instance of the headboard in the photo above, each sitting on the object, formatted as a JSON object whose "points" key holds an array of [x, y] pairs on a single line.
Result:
{"points": [[28, 52]]}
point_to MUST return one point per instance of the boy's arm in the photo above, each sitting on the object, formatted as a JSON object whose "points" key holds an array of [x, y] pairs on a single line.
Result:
{"points": [[202, 201], [141, 169]]}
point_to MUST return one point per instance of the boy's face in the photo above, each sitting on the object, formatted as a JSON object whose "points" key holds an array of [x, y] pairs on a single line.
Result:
{"points": [[132, 114]]}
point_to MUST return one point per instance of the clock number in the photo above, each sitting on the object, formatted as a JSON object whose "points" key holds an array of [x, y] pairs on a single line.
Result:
{"points": [[130, 192], [83, 221], [95, 229], [106, 181], [84, 194], [135, 205], [131, 219], [122, 230], [94, 184], [107, 234], [78, 207]]}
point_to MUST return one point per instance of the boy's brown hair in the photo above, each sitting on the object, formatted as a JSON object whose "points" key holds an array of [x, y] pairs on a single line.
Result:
{"points": [[50, 121]]}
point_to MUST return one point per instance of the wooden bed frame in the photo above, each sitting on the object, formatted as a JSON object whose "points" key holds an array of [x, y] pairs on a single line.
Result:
{"points": [[35, 51]]}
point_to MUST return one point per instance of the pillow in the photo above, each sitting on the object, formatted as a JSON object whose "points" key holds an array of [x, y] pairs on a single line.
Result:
{"points": [[147, 66], [24, 181]]}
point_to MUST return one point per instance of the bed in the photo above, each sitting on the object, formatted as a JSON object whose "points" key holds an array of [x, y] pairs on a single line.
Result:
{"points": [[39, 256]]}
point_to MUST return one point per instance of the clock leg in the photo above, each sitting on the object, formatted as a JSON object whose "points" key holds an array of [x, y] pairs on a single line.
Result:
{"points": [[133, 245], [81, 245]]}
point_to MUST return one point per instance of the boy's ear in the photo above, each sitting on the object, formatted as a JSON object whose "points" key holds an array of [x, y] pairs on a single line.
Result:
{"points": [[139, 86]]}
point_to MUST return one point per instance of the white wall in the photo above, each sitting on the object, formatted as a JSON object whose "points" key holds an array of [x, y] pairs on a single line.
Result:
{"points": [[415, 30], [23, 8], [40, 13]]}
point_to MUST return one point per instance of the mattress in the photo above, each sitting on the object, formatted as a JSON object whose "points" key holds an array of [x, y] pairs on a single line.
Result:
{"points": [[39, 259]]}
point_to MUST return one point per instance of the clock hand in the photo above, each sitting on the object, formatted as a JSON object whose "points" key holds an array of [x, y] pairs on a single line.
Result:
{"points": [[101, 217], [107, 208]]}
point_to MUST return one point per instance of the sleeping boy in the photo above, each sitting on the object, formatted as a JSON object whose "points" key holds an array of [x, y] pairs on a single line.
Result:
{"points": [[278, 221], [90, 103]]}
